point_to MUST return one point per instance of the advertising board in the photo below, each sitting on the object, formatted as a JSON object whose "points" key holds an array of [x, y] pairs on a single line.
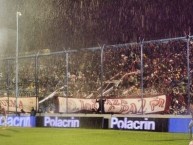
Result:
{"points": [[70, 122], [19, 121], [142, 124], [179, 125]]}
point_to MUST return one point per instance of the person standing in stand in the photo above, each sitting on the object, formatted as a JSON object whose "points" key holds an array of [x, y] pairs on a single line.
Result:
{"points": [[4, 117], [33, 112], [101, 108]]}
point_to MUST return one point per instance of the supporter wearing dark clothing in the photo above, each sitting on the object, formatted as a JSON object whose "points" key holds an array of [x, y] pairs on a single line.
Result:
{"points": [[101, 108], [33, 112]]}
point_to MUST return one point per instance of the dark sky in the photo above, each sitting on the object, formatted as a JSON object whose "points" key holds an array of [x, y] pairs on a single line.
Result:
{"points": [[64, 24]]}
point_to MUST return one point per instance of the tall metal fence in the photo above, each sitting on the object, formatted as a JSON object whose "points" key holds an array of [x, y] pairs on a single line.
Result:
{"points": [[123, 71]]}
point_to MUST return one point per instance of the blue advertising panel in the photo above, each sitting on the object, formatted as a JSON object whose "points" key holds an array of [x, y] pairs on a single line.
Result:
{"points": [[18, 121], [179, 125]]}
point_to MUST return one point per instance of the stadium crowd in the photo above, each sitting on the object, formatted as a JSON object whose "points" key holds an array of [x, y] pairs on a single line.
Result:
{"points": [[164, 67]]}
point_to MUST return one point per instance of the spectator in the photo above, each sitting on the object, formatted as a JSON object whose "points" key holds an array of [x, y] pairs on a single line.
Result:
{"points": [[101, 108], [22, 111], [4, 117], [33, 112]]}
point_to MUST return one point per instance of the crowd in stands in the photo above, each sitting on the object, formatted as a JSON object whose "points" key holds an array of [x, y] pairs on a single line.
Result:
{"points": [[164, 72]]}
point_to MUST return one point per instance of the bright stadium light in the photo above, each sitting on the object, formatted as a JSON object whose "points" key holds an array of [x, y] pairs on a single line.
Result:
{"points": [[16, 58]]}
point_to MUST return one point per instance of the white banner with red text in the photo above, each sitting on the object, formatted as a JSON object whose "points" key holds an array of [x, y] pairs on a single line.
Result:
{"points": [[71, 105], [121, 106], [25, 103]]}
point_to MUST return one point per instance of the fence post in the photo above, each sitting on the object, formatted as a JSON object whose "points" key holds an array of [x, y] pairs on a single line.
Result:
{"points": [[102, 73], [8, 83], [188, 68], [142, 89], [36, 81], [66, 82]]}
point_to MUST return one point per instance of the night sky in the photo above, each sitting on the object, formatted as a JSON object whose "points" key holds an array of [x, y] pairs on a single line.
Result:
{"points": [[74, 24]]}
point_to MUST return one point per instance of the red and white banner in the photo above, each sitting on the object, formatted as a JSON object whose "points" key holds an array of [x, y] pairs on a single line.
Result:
{"points": [[25, 103], [121, 106], [72, 105]]}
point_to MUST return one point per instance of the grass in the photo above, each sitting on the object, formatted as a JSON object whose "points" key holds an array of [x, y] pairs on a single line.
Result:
{"points": [[61, 136]]}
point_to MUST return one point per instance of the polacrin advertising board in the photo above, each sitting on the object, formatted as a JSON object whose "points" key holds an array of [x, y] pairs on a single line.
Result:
{"points": [[61, 122], [70, 122], [18, 121], [142, 124]]}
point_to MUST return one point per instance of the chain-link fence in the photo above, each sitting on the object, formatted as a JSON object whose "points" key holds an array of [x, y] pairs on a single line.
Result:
{"points": [[126, 76]]}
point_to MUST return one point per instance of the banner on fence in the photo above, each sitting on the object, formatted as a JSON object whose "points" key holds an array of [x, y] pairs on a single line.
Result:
{"points": [[122, 106], [72, 105], [25, 103]]}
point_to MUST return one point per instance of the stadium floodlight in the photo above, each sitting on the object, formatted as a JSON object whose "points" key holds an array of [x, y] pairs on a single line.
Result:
{"points": [[16, 58]]}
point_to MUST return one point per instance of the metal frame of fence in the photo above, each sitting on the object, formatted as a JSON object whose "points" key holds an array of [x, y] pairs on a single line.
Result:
{"points": [[66, 53]]}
